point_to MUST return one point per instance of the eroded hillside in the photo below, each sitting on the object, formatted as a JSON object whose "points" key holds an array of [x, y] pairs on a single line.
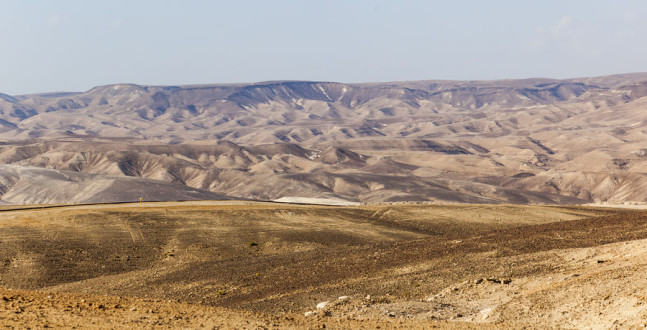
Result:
{"points": [[519, 141]]}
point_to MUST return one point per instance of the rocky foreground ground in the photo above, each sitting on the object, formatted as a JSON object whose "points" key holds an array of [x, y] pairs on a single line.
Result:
{"points": [[245, 265]]}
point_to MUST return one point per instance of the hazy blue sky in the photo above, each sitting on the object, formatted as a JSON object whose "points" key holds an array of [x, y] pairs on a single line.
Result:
{"points": [[59, 45]]}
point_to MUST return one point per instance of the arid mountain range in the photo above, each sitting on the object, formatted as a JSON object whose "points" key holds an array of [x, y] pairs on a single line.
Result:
{"points": [[518, 141]]}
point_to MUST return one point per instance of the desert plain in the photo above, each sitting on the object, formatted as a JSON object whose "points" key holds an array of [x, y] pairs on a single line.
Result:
{"points": [[241, 264]]}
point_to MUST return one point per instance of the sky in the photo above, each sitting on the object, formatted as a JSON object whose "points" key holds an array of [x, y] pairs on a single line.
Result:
{"points": [[67, 45]]}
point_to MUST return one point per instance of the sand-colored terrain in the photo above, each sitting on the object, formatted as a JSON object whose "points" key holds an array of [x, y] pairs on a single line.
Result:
{"points": [[528, 141], [253, 265]]}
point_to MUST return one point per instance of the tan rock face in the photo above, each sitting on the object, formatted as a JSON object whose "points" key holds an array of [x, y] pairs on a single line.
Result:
{"points": [[518, 141]]}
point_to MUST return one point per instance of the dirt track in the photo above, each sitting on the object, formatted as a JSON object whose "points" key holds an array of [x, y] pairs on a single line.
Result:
{"points": [[282, 260]]}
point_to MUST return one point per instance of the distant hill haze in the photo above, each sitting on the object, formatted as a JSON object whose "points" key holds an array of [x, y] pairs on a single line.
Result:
{"points": [[520, 141]]}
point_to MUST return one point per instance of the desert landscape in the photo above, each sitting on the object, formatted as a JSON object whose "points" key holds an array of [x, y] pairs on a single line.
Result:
{"points": [[362, 164], [452, 204], [530, 141], [240, 264]]}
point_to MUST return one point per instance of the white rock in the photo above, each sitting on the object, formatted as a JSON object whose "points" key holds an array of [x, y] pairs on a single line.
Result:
{"points": [[343, 298], [485, 313], [308, 313], [322, 304]]}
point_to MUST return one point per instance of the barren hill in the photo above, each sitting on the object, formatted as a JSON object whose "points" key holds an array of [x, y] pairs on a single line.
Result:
{"points": [[260, 265], [32, 185], [521, 141]]}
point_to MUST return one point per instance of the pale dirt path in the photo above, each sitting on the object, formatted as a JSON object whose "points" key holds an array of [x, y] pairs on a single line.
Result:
{"points": [[26, 208], [619, 206], [25, 211]]}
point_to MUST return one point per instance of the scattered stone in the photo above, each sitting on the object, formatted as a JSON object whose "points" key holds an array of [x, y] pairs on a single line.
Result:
{"points": [[485, 313], [309, 313], [478, 281], [343, 298], [368, 297], [601, 261], [499, 280], [322, 305], [133, 309]]}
